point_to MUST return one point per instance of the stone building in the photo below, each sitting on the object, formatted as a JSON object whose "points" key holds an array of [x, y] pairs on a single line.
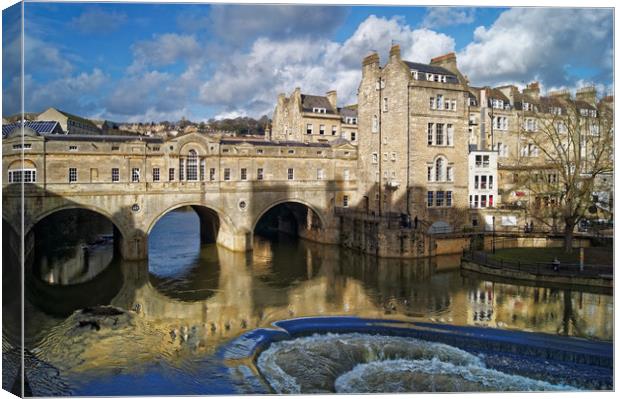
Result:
{"points": [[413, 138], [313, 119], [72, 124]]}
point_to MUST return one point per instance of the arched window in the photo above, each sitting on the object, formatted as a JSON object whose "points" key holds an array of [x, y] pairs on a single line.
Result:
{"points": [[439, 169], [192, 166]]}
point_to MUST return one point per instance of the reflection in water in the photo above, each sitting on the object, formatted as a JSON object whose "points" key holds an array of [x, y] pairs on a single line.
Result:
{"points": [[190, 298]]}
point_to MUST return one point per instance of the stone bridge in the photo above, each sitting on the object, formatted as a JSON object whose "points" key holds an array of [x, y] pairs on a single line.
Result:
{"points": [[134, 182]]}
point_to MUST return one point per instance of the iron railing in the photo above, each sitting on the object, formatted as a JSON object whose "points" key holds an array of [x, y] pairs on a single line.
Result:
{"points": [[541, 268]]}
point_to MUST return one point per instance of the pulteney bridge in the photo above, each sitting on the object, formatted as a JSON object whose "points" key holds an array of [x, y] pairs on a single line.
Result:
{"points": [[133, 182]]}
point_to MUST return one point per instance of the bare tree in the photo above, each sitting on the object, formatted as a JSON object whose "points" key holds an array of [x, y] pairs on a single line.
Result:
{"points": [[569, 146]]}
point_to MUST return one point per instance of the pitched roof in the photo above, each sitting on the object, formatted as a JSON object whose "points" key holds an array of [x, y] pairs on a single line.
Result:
{"points": [[309, 102], [425, 68], [349, 111], [41, 127], [77, 118], [497, 94], [580, 104]]}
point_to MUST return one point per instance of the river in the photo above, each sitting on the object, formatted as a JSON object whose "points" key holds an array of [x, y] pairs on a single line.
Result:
{"points": [[189, 299]]}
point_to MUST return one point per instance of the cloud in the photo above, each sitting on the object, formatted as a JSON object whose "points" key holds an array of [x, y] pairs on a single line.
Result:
{"points": [[243, 23], [251, 80], [76, 94], [437, 17], [164, 50], [98, 21], [540, 43]]}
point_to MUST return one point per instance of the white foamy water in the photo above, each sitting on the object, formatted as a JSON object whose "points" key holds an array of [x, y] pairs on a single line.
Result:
{"points": [[358, 363]]}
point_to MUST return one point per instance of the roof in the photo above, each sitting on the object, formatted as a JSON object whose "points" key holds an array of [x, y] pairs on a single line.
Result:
{"points": [[350, 111], [416, 66], [580, 104], [309, 102], [103, 137], [77, 118], [275, 143], [520, 98], [41, 127], [497, 94]]}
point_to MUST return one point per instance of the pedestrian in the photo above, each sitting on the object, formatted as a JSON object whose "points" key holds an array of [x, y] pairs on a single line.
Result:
{"points": [[415, 222], [531, 227], [556, 264]]}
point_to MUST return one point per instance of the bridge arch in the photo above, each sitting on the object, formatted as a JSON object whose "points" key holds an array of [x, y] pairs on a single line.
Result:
{"points": [[34, 220], [224, 220], [272, 205]]}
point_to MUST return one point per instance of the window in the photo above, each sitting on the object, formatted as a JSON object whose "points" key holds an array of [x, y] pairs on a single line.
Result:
{"points": [[135, 175], [192, 166], [72, 175], [170, 174], [322, 130], [430, 134], [155, 174], [181, 169], [345, 201], [244, 174], [439, 101], [429, 173], [449, 175], [375, 124], [449, 134], [393, 156], [259, 151], [259, 174], [226, 174], [478, 161], [27, 146], [439, 134], [483, 182], [385, 104], [448, 198], [385, 156], [27, 175], [212, 174], [490, 200], [351, 120], [475, 201], [73, 148], [291, 173], [429, 199], [115, 148], [155, 148], [414, 74], [115, 175], [431, 103], [320, 174], [453, 103], [439, 198], [318, 110], [309, 128], [225, 150], [476, 182], [345, 174], [483, 201], [334, 130], [353, 136], [439, 169]]}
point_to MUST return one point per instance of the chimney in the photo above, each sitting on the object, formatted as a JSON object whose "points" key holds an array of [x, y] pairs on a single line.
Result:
{"points": [[332, 98], [447, 61], [395, 52], [561, 94], [532, 90], [370, 64], [587, 94]]}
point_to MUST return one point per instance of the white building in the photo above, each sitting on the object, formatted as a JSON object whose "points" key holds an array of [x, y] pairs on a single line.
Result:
{"points": [[482, 185]]}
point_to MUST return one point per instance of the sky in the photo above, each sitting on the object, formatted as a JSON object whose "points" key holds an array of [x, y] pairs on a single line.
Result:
{"points": [[152, 62]]}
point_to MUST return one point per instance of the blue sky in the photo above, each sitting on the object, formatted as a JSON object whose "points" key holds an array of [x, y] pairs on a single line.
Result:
{"points": [[143, 62]]}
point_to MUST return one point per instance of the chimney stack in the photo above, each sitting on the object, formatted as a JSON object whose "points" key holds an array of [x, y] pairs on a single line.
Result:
{"points": [[587, 94], [332, 98], [395, 52], [447, 61], [532, 90]]}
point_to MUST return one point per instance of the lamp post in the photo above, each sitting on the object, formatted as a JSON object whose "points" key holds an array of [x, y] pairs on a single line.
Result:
{"points": [[493, 242]]}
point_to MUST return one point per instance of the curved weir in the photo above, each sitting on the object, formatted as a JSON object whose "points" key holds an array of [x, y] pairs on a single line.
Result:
{"points": [[355, 355]]}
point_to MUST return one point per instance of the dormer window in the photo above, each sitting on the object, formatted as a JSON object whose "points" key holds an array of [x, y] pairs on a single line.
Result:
{"points": [[318, 110], [497, 103], [414, 74], [472, 102], [351, 120], [555, 110]]}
